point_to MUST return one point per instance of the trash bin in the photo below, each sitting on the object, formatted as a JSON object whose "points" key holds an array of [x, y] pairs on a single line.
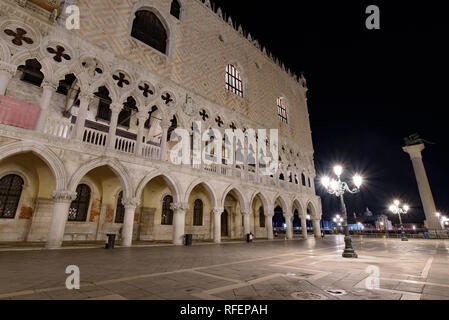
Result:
{"points": [[110, 241], [188, 239]]}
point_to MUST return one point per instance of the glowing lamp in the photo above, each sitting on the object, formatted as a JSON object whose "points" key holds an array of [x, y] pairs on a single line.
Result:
{"points": [[338, 170], [357, 181]]}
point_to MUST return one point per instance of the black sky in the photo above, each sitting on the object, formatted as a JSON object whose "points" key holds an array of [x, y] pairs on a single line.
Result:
{"points": [[367, 89]]}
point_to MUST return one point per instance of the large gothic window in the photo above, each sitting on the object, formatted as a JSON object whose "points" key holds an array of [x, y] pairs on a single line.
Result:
{"points": [[10, 191], [149, 29], [175, 9], [261, 218], [234, 80], [120, 209], [167, 212], [282, 110], [80, 206], [198, 213]]}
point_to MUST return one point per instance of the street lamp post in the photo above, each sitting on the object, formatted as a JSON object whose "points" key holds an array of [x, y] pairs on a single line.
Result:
{"points": [[398, 210], [338, 188]]}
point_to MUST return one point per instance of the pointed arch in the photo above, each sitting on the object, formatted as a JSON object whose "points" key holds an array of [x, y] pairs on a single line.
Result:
{"points": [[172, 182], [49, 157], [262, 197], [284, 203], [312, 208], [207, 186], [298, 205], [21, 57], [114, 165], [243, 201]]}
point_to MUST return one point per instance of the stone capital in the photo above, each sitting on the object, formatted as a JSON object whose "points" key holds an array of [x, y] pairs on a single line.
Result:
{"points": [[63, 196], [85, 96], [218, 211], [115, 107], [245, 213], [414, 151], [142, 115], [48, 85], [165, 124], [179, 207], [131, 203], [8, 69]]}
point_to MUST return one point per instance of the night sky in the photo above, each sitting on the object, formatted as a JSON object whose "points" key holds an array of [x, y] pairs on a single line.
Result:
{"points": [[368, 89]]}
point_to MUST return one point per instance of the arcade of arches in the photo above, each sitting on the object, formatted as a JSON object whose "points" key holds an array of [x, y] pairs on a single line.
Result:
{"points": [[42, 201]]}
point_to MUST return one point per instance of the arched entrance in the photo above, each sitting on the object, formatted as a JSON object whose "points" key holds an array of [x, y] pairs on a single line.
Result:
{"points": [[26, 186], [224, 224], [157, 195]]}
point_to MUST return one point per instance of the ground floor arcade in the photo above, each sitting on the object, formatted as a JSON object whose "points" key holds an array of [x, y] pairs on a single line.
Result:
{"points": [[58, 195]]}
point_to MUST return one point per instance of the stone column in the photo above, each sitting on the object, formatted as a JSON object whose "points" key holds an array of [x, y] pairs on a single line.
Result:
{"points": [[179, 221], [217, 224], [317, 228], [128, 222], [165, 126], [246, 223], [115, 110], [7, 71], [85, 99], [142, 116], [304, 226], [269, 222], [61, 204], [48, 89], [423, 186], [289, 222]]}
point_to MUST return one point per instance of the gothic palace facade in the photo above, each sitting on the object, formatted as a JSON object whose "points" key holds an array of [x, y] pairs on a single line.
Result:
{"points": [[86, 117]]}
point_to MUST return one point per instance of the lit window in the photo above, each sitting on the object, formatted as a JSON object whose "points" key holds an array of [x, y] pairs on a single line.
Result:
{"points": [[282, 110], [234, 80]]}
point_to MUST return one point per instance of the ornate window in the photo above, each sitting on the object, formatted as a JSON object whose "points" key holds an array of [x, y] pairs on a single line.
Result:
{"points": [[31, 72], [234, 80], [103, 112], [124, 117], [10, 191], [149, 29], [198, 213], [175, 9], [120, 210], [282, 110], [261, 218], [303, 179], [167, 212], [80, 206]]}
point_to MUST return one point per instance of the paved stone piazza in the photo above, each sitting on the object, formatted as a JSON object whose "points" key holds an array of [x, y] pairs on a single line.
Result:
{"points": [[263, 270]]}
